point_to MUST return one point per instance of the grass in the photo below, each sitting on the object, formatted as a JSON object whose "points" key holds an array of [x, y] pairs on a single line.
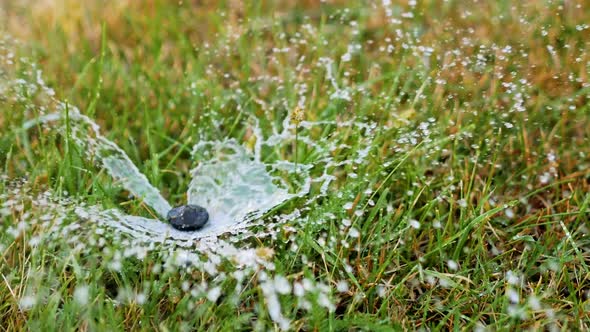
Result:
{"points": [[469, 209]]}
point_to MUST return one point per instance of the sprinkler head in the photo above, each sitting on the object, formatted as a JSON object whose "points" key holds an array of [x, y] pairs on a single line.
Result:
{"points": [[188, 217]]}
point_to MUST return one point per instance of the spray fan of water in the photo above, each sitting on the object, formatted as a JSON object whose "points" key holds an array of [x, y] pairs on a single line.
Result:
{"points": [[233, 184], [236, 185]]}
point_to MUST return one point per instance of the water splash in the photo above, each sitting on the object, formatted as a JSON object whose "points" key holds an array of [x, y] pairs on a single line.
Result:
{"points": [[235, 186], [239, 186], [231, 183], [86, 134]]}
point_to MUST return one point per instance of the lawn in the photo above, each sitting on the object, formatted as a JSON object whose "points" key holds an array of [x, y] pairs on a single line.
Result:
{"points": [[418, 165]]}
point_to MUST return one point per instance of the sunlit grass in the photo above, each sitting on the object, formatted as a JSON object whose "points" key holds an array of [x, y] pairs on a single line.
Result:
{"points": [[468, 208]]}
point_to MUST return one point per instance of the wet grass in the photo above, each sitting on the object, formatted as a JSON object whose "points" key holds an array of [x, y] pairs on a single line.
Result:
{"points": [[469, 211]]}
